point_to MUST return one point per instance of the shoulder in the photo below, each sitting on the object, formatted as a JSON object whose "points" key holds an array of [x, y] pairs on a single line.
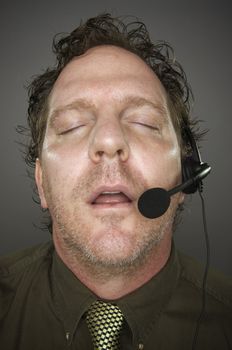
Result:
{"points": [[218, 286], [18, 262], [21, 274]]}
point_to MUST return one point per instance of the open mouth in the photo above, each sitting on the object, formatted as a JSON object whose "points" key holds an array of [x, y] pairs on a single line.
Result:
{"points": [[111, 198]]}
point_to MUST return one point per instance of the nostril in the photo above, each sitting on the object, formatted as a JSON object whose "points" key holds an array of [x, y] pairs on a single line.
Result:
{"points": [[100, 153]]}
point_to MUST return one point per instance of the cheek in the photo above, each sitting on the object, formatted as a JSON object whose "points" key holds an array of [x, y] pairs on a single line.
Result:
{"points": [[160, 164], [65, 153], [63, 166]]}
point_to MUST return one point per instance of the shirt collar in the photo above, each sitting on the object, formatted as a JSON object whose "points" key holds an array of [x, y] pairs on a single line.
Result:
{"points": [[71, 298], [140, 308]]}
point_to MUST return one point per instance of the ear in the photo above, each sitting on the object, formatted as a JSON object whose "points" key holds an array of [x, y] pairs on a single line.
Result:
{"points": [[181, 198], [39, 183]]}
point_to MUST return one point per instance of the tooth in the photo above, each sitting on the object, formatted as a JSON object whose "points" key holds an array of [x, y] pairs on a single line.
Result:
{"points": [[116, 192]]}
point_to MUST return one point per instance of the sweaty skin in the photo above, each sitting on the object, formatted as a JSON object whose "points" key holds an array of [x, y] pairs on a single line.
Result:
{"points": [[109, 137]]}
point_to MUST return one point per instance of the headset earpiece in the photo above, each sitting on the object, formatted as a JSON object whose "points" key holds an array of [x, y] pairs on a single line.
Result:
{"points": [[192, 166], [189, 168]]}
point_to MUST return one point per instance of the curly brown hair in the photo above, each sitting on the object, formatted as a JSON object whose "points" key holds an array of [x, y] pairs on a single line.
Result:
{"points": [[107, 30]]}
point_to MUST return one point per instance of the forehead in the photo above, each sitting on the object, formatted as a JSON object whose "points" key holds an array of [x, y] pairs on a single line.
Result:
{"points": [[109, 71]]}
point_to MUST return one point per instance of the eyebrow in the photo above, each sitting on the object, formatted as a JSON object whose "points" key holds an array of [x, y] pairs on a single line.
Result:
{"points": [[136, 101], [129, 101], [77, 104]]}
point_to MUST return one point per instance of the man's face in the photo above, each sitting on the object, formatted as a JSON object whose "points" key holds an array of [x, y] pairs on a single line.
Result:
{"points": [[109, 137]]}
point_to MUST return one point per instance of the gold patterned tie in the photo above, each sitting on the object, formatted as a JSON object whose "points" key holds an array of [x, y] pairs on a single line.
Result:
{"points": [[105, 322]]}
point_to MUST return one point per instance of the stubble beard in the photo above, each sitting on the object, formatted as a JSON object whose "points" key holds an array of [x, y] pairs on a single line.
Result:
{"points": [[96, 258], [71, 232]]}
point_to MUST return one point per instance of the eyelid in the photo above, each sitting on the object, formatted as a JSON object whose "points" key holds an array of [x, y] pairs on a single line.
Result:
{"points": [[69, 119], [146, 118], [66, 131], [148, 126], [153, 127]]}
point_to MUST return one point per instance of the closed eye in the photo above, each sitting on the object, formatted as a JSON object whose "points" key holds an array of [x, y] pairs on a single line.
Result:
{"points": [[152, 127], [70, 130]]}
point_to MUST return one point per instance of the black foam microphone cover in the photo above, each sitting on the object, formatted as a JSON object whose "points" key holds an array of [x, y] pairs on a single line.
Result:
{"points": [[154, 202]]}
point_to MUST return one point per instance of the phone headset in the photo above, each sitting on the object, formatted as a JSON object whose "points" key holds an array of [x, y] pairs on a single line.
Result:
{"points": [[155, 201], [192, 166]]}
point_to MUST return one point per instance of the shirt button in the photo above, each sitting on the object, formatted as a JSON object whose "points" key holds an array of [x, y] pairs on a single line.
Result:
{"points": [[141, 346]]}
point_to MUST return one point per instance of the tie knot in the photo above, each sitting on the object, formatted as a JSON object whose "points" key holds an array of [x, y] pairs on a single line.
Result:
{"points": [[105, 322]]}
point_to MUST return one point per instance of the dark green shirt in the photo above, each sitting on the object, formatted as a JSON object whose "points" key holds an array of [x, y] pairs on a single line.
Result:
{"points": [[43, 306]]}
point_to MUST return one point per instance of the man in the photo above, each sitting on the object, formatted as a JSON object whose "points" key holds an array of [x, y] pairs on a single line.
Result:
{"points": [[107, 123]]}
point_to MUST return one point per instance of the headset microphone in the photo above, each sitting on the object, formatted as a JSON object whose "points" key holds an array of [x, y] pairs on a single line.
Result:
{"points": [[155, 201]]}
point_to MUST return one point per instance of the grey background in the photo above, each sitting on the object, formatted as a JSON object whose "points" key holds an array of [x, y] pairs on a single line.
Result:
{"points": [[200, 32]]}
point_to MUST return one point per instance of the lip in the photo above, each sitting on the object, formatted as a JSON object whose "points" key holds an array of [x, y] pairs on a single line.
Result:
{"points": [[111, 188]]}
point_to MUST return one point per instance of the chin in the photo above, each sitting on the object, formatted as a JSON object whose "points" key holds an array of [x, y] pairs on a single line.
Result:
{"points": [[117, 251]]}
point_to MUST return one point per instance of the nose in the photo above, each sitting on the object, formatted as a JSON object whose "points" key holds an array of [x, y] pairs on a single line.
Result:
{"points": [[108, 140]]}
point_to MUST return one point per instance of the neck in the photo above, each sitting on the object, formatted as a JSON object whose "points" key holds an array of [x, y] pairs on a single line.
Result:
{"points": [[115, 283]]}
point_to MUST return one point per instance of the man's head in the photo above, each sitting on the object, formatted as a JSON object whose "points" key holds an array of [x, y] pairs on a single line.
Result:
{"points": [[105, 30], [106, 125]]}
